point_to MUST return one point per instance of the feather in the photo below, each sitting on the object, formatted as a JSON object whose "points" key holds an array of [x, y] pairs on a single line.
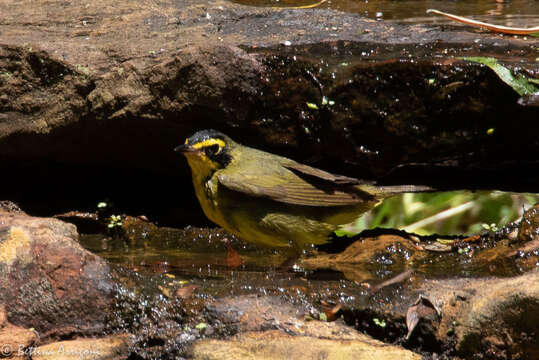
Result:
{"points": [[305, 186]]}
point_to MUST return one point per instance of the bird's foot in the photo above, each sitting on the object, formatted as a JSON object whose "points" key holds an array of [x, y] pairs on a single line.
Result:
{"points": [[233, 259]]}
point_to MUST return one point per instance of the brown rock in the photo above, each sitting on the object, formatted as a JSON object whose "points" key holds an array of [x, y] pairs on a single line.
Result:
{"points": [[112, 347], [529, 226], [275, 344], [355, 260], [253, 313], [9, 206], [497, 317], [271, 328], [502, 315], [47, 280], [13, 339]]}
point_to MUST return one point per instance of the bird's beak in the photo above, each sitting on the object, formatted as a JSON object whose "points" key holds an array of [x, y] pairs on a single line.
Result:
{"points": [[185, 149]]}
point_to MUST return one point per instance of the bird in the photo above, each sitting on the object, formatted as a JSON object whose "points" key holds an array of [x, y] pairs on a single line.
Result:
{"points": [[273, 201]]}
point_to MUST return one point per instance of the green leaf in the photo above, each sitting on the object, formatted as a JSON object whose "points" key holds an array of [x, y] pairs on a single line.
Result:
{"points": [[343, 232], [323, 317], [201, 326], [312, 106], [520, 84]]}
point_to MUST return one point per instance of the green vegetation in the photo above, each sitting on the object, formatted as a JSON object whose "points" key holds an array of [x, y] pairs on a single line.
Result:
{"points": [[114, 221], [312, 106], [201, 327], [519, 83], [445, 213]]}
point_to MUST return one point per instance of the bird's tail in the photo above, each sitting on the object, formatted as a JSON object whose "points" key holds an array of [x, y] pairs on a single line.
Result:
{"points": [[382, 192]]}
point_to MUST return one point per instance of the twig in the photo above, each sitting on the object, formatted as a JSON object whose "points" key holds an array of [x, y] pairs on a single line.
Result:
{"points": [[491, 27], [438, 217]]}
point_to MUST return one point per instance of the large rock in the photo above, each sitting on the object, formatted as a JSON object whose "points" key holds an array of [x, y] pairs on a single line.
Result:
{"points": [[108, 348], [274, 345], [128, 82], [496, 317], [14, 339], [48, 281], [271, 328]]}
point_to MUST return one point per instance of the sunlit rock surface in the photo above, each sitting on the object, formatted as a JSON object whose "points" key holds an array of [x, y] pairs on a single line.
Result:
{"points": [[48, 281]]}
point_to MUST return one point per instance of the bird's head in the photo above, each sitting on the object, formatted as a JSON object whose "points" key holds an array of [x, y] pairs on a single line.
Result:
{"points": [[207, 151]]}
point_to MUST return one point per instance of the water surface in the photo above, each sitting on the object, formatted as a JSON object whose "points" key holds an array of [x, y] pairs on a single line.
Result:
{"points": [[516, 13]]}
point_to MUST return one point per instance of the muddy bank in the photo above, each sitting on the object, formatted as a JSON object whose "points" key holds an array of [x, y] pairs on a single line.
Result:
{"points": [[98, 95]]}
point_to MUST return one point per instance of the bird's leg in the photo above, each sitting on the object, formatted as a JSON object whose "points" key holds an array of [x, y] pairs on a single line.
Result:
{"points": [[233, 259]]}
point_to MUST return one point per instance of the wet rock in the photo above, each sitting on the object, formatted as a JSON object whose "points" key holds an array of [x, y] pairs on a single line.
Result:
{"points": [[529, 226], [253, 313], [13, 338], [503, 319], [358, 260], [9, 206], [274, 344], [269, 327], [28, 76], [48, 281], [112, 347], [495, 317]]}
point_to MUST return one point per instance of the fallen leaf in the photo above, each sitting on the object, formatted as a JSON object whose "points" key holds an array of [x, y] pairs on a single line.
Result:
{"points": [[437, 247], [471, 238], [233, 259], [520, 84], [331, 310], [422, 308]]}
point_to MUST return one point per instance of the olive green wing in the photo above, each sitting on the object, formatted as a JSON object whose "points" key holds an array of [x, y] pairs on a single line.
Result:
{"points": [[321, 174], [292, 183]]}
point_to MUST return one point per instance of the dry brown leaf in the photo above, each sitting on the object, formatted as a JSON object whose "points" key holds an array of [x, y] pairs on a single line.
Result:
{"points": [[233, 259], [422, 308], [331, 310]]}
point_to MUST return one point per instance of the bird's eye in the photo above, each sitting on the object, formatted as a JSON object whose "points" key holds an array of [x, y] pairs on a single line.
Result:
{"points": [[212, 150]]}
